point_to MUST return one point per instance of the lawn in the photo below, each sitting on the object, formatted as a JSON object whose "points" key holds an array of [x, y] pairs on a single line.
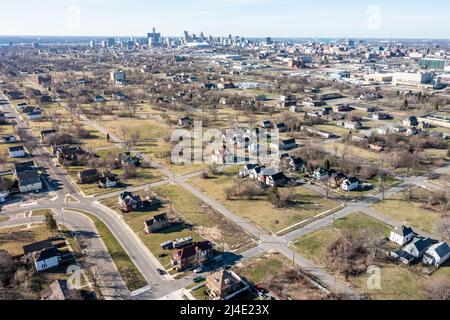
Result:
{"points": [[408, 212], [312, 245], [207, 222], [260, 211], [129, 272], [338, 131], [268, 268], [13, 239], [351, 151], [42, 212], [200, 293], [136, 221]]}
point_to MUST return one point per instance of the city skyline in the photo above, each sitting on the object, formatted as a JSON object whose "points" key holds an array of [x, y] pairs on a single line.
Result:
{"points": [[248, 18]]}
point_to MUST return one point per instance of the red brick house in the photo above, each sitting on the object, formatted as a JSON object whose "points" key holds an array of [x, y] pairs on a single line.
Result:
{"points": [[193, 255]]}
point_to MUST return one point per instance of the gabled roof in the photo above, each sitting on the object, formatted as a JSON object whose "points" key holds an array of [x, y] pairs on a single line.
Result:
{"points": [[403, 231], [442, 249], [37, 246]]}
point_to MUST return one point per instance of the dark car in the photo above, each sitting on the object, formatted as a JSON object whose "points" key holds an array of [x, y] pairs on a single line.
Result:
{"points": [[198, 279], [161, 272]]}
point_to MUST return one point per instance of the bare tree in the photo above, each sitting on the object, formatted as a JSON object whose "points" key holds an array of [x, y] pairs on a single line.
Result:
{"points": [[438, 288]]}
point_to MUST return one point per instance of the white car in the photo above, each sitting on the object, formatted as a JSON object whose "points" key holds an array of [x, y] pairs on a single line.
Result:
{"points": [[198, 270]]}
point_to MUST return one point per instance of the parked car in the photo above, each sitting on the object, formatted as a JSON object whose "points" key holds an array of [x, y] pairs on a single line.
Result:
{"points": [[199, 269], [198, 279], [161, 272]]}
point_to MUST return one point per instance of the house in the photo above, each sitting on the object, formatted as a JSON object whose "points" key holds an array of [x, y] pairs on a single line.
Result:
{"points": [[185, 122], [419, 246], [119, 96], [294, 164], [128, 158], [342, 107], [380, 116], [281, 127], [46, 99], [320, 173], [410, 121], [58, 290], [437, 254], [356, 125], [156, 223], [266, 124], [403, 256], [412, 131], [99, 99], [46, 259], [286, 145], [68, 154], [254, 173], [35, 115], [88, 176], [336, 179], [4, 194], [47, 133], [245, 171], [350, 184], [9, 139], [45, 255], [193, 255], [17, 152], [278, 179], [2, 117], [27, 176], [224, 285], [222, 155], [108, 181], [402, 235], [129, 202]]}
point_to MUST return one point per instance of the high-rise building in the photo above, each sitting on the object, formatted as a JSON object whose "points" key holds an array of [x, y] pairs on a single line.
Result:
{"points": [[154, 38]]}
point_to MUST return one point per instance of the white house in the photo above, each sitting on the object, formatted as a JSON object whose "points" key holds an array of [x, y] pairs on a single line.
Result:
{"points": [[437, 254], [222, 155], [245, 171], [266, 124], [350, 184], [17, 152], [34, 115], [419, 246], [401, 236], [46, 259]]}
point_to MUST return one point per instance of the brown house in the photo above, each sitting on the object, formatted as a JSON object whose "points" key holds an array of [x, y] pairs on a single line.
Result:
{"points": [[156, 223], [193, 255], [222, 284]]}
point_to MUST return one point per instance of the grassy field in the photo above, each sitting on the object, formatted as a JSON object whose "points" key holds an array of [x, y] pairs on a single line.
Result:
{"points": [[200, 293], [43, 212], [13, 239], [208, 223], [313, 244], [261, 269], [261, 211], [400, 208], [4, 219], [397, 281]]}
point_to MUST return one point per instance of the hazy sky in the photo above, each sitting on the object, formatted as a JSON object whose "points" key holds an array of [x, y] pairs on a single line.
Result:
{"points": [[288, 18]]}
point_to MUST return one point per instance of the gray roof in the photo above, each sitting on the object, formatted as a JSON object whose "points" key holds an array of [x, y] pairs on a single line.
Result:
{"points": [[441, 249]]}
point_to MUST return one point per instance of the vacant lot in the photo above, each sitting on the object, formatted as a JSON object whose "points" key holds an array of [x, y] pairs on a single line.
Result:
{"points": [[306, 203], [274, 272], [207, 222], [397, 281], [411, 210], [13, 239]]}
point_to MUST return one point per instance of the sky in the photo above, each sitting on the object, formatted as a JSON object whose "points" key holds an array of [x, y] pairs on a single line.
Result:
{"points": [[248, 18]]}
